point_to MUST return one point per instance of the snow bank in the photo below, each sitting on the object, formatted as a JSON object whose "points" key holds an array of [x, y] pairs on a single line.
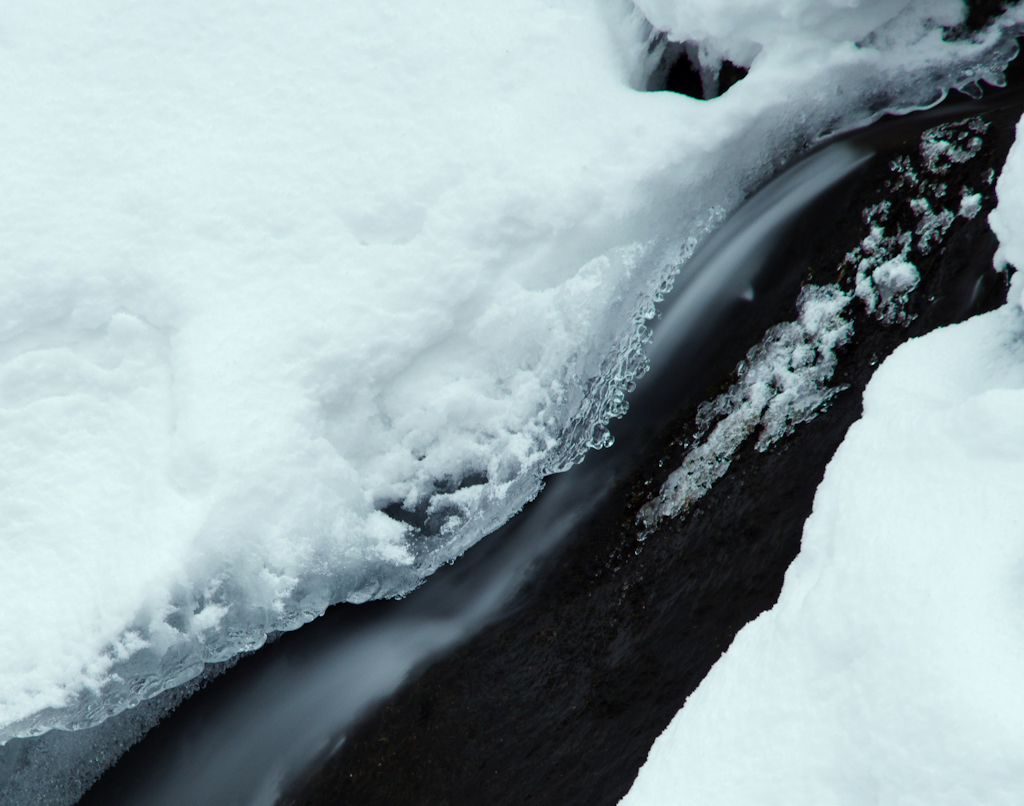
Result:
{"points": [[889, 671], [294, 308]]}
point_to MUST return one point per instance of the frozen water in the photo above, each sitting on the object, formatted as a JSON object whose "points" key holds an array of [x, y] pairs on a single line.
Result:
{"points": [[295, 307]]}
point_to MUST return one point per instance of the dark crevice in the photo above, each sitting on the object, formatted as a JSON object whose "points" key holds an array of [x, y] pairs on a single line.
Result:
{"points": [[682, 71], [728, 75]]}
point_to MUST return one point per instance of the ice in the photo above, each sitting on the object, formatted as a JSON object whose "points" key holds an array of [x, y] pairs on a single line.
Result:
{"points": [[889, 670], [295, 307]]}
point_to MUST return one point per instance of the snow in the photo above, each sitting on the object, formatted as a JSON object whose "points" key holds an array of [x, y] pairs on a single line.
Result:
{"points": [[889, 287], [270, 281], [889, 670]]}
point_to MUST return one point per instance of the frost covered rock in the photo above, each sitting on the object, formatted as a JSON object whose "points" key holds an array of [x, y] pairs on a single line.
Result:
{"points": [[777, 39]]}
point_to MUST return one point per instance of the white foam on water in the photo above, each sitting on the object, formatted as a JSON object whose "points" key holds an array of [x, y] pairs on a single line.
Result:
{"points": [[294, 307]]}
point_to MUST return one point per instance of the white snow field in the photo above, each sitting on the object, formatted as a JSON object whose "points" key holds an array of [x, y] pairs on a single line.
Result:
{"points": [[267, 272], [889, 671]]}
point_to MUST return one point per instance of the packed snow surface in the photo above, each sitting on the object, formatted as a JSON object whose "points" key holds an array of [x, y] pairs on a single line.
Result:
{"points": [[889, 671], [295, 306]]}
